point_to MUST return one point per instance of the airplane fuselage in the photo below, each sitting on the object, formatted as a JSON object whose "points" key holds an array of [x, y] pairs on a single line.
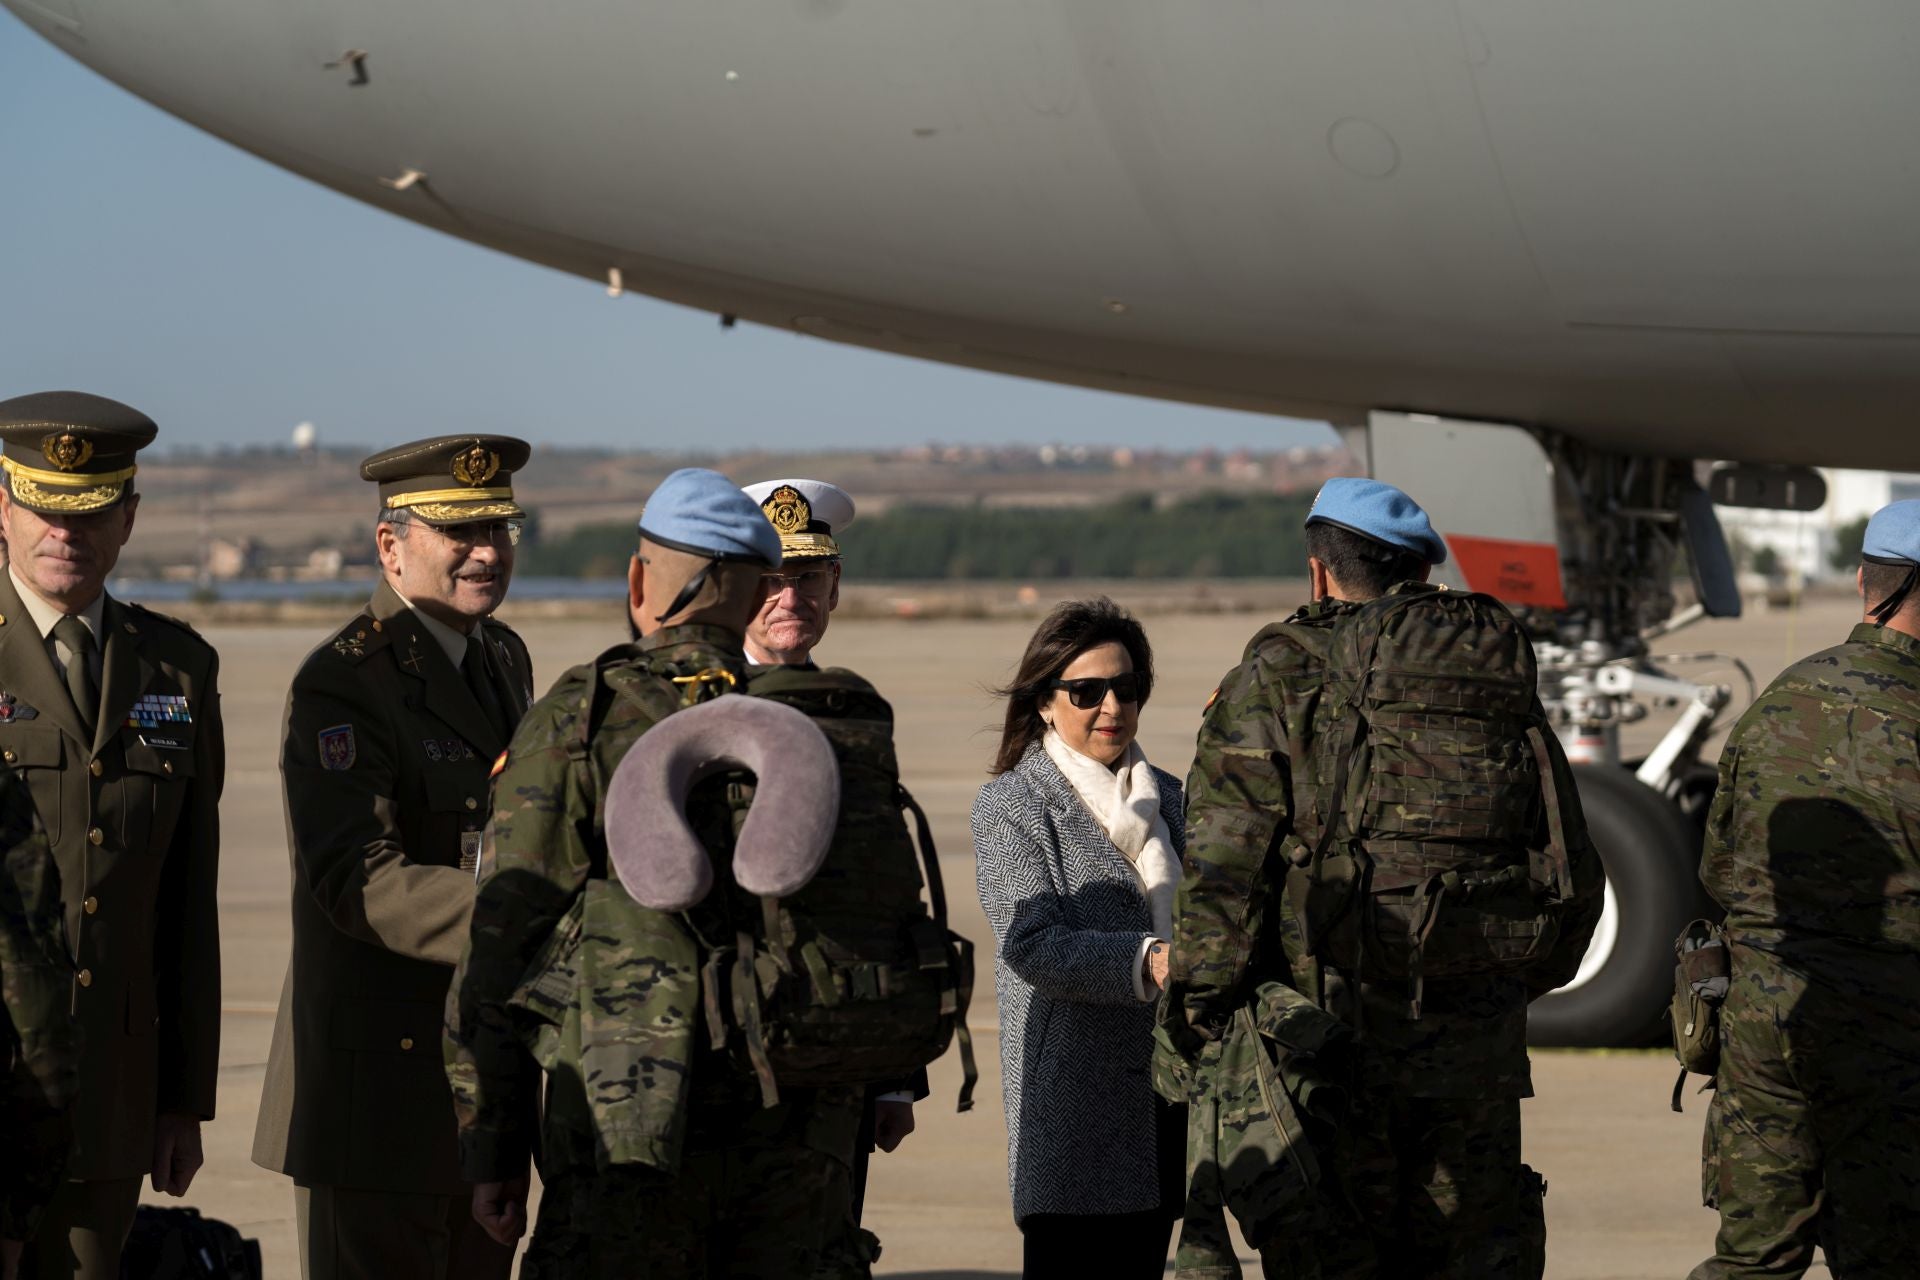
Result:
{"points": [[1675, 228]]}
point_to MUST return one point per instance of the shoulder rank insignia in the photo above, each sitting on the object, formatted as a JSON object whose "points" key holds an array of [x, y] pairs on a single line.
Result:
{"points": [[351, 646], [337, 749], [12, 709], [152, 710]]}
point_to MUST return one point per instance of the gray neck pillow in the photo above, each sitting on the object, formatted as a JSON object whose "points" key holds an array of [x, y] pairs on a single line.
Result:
{"points": [[796, 801]]}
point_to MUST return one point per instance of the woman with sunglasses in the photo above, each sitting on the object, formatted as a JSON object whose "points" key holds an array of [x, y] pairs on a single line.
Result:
{"points": [[1078, 843]]}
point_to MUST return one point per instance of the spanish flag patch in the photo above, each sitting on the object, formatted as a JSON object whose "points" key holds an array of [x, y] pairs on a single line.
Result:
{"points": [[498, 766], [1211, 699]]}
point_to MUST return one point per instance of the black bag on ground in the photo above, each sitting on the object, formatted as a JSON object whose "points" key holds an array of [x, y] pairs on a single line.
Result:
{"points": [[179, 1244]]}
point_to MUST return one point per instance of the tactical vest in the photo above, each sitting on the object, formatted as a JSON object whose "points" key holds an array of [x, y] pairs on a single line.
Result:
{"points": [[854, 980], [1418, 805]]}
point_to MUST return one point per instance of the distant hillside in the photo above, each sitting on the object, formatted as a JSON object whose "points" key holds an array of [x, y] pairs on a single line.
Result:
{"points": [[1208, 535], [274, 512]]}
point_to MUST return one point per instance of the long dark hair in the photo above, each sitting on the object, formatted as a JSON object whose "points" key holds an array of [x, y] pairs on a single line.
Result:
{"points": [[1073, 627]]}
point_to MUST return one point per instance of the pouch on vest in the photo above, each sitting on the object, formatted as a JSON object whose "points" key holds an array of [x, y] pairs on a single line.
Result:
{"points": [[1424, 790], [1700, 982], [1268, 1099], [856, 980]]}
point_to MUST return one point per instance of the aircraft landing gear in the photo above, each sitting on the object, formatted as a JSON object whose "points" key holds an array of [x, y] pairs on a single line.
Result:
{"points": [[1647, 846]]}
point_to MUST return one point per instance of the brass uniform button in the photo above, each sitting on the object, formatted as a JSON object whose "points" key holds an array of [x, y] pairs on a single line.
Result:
{"points": [[8, 755], [90, 905], [166, 766], [376, 624], [472, 803], [97, 835], [86, 977], [406, 1042], [97, 768]]}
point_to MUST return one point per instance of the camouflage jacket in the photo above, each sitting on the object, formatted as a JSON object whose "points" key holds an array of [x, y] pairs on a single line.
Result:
{"points": [[565, 974], [38, 1036], [1813, 844], [1231, 921]]}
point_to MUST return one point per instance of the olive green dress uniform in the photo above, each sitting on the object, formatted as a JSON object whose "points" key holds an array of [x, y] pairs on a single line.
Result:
{"points": [[39, 1047], [385, 761], [132, 812]]}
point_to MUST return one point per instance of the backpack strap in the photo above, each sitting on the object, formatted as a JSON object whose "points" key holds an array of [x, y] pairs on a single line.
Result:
{"points": [[1556, 827], [746, 1012], [961, 948]]}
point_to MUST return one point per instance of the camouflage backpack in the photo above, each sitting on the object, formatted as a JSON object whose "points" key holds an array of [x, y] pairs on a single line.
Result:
{"points": [[1423, 791], [855, 981]]}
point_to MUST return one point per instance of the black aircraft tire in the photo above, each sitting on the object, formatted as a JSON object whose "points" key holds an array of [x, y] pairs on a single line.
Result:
{"points": [[1651, 853]]}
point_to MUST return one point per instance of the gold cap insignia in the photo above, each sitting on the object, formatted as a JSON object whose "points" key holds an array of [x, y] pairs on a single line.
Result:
{"points": [[788, 510], [476, 466], [67, 450]]}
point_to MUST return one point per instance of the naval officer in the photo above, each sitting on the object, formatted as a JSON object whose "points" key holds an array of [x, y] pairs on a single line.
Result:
{"points": [[392, 725], [800, 597], [112, 716]]}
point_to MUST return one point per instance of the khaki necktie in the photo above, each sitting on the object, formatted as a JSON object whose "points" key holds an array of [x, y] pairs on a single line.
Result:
{"points": [[77, 638], [479, 674]]}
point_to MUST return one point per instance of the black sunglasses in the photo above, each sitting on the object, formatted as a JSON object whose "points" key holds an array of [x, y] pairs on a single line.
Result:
{"points": [[1091, 692]]}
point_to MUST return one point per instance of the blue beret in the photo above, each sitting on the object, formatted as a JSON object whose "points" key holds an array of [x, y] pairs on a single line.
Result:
{"points": [[1381, 512], [1894, 532], [704, 513]]}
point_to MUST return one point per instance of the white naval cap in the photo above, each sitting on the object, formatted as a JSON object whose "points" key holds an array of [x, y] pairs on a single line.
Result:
{"points": [[806, 513]]}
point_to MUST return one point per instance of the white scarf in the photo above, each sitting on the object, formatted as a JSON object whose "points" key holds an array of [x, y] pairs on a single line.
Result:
{"points": [[1125, 801]]}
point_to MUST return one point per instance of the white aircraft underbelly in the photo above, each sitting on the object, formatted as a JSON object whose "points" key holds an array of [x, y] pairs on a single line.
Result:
{"points": [[1684, 228]]}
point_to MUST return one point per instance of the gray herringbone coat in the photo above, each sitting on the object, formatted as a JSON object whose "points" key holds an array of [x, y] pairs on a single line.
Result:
{"points": [[1068, 917]]}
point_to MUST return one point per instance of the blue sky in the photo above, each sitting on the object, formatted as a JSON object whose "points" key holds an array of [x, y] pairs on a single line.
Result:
{"points": [[144, 260]]}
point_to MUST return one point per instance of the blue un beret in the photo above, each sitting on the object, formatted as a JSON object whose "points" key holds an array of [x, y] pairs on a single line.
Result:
{"points": [[705, 514], [1381, 512], [1894, 532]]}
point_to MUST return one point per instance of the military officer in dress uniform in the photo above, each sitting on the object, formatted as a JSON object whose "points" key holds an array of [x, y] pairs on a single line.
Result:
{"points": [[801, 596], [112, 716], [392, 726]]}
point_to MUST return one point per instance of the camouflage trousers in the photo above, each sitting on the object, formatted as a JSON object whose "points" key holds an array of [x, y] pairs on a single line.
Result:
{"points": [[761, 1204], [1814, 1132], [1441, 1195]]}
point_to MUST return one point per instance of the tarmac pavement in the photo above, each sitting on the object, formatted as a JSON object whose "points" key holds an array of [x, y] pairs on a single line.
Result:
{"points": [[1624, 1198]]}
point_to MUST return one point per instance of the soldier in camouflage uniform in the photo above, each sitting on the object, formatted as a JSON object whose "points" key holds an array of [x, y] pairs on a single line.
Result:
{"points": [[39, 1036], [657, 1155], [1431, 1158], [1813, 848]]}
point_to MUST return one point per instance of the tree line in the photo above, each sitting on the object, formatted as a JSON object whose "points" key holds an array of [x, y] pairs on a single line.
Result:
{"points": [[1211, 535]]}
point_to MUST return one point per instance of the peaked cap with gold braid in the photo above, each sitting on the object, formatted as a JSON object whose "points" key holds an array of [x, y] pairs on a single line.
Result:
{"points": [[67, 453], [806, 513], [450, 479]]}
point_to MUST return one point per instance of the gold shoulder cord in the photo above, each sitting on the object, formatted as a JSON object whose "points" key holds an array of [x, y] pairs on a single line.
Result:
{"points": [[695, 687]]}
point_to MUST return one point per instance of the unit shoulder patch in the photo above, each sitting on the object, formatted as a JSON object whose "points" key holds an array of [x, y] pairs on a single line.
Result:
{"points": [[337, 748]]}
